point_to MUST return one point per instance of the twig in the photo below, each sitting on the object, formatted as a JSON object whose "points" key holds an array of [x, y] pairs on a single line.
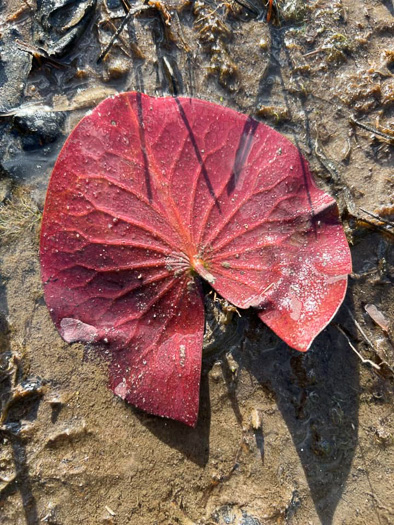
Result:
{"points": [[125, 20], [377, 226], [248, 8], [210, 13], [364, 361], [361, 330], [314, 52], [110, 511], [377, 217], [126, 5], [371, 129], [380, 504], [28, 5], [121, 39], [169, 72]]}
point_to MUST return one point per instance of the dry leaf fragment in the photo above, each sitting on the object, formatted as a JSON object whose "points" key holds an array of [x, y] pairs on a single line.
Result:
{"points": [[377, 316]]}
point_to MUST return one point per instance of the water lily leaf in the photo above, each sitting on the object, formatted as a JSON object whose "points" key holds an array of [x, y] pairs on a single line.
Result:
{"points": [[150, 195]]}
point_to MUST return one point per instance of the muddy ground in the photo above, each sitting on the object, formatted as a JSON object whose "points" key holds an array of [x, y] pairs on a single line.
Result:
{"points": [[282, 437]]}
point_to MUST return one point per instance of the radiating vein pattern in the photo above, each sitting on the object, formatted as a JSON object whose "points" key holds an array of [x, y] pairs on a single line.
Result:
{"points": [[149, 193]]}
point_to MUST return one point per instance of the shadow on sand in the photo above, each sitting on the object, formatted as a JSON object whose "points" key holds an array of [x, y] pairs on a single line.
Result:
{"points": [[317, 395]]}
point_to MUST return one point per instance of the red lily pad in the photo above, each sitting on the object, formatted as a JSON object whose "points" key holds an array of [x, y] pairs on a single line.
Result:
{"points": [[150, 195]]}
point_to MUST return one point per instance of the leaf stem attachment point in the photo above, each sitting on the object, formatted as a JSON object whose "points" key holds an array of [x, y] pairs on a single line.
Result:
{"points": [[200, 267]]}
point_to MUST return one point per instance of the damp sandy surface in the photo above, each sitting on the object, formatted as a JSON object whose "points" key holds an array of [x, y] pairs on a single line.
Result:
{"points": [[282, 437]]}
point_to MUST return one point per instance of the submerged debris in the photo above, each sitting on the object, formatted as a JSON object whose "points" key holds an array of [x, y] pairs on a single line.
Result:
{"points": [[39, 54], [388, 135], [293, 10], [364, 361], [14, 69], [38, 116], [90, 97], [59, 23], [361, 92], [69, 433], [39, 128], [337, 47], [117, 33], [273, 113], [29, 388]]}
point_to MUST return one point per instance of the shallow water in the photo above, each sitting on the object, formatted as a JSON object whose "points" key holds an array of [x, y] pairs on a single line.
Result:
{"points": [[322, 448]]}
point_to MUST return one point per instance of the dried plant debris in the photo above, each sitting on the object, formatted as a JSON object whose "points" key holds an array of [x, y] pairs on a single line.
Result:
{"points": [[336, 47], [387, 92], [294, 11], [214, 34], [5, 188], [376, 221], [361, 92], [379, 318], [273, 113], [18, 216]]}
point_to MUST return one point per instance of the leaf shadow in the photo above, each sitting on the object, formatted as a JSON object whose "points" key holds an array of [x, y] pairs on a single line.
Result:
{"points": [[317, 393], [193, 443], [141, 129], [389, 6], [197, 152], [243, 150]]}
